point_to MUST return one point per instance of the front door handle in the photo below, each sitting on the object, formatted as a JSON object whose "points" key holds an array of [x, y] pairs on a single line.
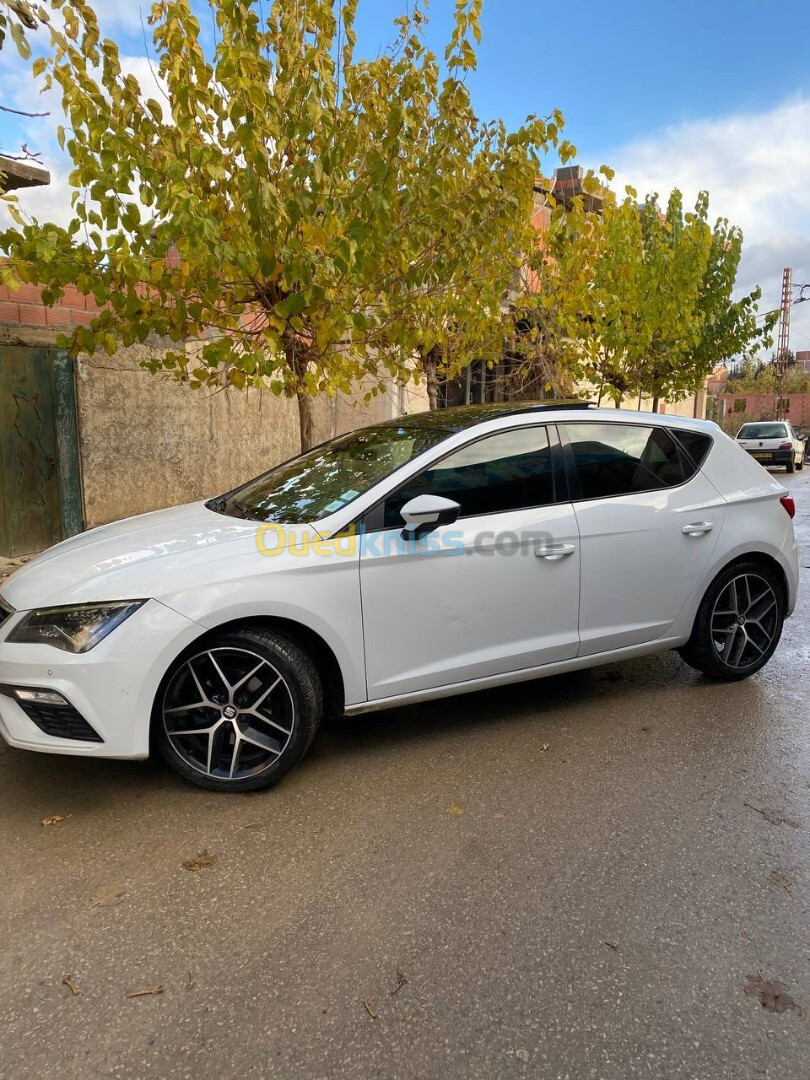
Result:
{"points": [[553, 552], [697, 528]]}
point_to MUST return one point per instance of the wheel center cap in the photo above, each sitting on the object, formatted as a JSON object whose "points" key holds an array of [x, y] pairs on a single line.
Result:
{"points": [[741, 620], [230, 712]]}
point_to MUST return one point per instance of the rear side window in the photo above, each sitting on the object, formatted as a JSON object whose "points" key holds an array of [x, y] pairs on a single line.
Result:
{"points": [[512, 470], [696, 444], [622, 459]]}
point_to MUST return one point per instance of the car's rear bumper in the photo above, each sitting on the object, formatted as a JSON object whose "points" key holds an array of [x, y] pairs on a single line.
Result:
{"points": [[772, 457], [111, 688]]}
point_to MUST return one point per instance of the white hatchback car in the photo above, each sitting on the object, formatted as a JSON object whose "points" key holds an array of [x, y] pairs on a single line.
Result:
{"points": [[432, 555], [772, 442]]}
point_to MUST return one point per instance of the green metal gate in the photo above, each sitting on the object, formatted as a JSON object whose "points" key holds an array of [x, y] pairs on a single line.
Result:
{"points": [[40, 489]]}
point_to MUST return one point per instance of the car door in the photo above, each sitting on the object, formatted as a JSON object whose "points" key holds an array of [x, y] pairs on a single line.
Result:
{"points": [[648, 522], [494, 592]]}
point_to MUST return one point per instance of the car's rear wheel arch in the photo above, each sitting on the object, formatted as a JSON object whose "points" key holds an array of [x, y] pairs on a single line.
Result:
{"points": [[764, 560], [739, 620]]}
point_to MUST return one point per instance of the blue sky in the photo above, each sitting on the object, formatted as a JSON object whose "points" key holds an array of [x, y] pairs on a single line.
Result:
{"points": [[623, 68], [697, 95]]}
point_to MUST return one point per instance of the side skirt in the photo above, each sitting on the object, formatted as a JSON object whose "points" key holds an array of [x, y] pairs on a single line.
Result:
{"points": [[523, 675]]}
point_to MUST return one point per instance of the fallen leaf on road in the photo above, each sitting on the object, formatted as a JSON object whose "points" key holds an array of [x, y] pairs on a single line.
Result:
{"points": [[146, 992], [52, 819], [70, 984], [369, 1010], [522, 1055], [645, 727], [774, 817], [544, 747], [250, 825], [191, 982], [612, 944], [454, 810], [786, 879], [498, 817], [401, 981], [200, 861], [772, 996], [107, 901]]}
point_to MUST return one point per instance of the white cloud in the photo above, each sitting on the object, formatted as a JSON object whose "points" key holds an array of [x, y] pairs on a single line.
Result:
{"points": [[756, 168]]}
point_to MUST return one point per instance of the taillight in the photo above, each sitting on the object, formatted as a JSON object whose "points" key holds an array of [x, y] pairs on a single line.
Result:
{"points": [[789, 504], [786, 446]]}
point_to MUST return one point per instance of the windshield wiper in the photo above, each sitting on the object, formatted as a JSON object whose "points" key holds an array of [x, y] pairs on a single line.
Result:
{"points": [[245, 511], [223, 504]]}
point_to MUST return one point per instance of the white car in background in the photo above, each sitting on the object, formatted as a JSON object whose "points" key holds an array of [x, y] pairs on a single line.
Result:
{"points": [[772, 442], [432, 555]]}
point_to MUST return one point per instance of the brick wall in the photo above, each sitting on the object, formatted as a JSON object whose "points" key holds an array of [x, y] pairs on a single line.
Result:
{"points": [[761, 407], [24, 308]]}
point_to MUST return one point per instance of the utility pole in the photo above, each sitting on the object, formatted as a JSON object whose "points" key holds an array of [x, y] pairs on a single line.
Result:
{"points": [[783, 349]]}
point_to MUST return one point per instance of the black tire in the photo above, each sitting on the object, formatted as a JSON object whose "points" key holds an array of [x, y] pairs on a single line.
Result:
{"points": [[260, 705], [718, 632], [800, 464], [789, 467]]}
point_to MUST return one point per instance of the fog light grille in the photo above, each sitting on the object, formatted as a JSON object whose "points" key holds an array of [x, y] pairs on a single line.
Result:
{"points": [[60, 721]]}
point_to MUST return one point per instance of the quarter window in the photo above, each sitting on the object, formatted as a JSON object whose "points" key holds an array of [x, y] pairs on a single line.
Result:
{"points": [[512, 470], [696, 444], [620, 459]]}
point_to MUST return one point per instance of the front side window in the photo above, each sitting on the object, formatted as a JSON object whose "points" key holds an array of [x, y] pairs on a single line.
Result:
{"points": [[512, 470], [620, 459], [326, 479], [763, 431]]}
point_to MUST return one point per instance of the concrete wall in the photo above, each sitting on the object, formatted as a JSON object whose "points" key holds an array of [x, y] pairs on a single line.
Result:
{"points": [[147, 441]]}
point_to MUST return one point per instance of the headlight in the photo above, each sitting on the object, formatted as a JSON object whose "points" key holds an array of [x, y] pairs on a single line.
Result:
{"points": [[74, 629]]}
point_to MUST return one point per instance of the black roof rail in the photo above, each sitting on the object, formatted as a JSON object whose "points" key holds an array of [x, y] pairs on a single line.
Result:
{"points": [[574, 403]]}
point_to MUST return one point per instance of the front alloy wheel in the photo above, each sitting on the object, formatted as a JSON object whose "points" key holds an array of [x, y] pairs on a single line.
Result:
{"points": [[238, 712], [738, 624]]}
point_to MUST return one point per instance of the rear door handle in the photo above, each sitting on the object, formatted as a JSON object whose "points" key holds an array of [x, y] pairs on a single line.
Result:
{"points": [[697, 528], [553, 552]]}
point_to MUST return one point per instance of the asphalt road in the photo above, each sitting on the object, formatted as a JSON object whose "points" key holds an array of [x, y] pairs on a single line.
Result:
{"points": [[573, 878]]}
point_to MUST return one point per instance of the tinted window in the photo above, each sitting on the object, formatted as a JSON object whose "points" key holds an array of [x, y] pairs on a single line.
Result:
{"points": [[696, 444], [507, 471], [619, 459], [762, 431], [329, 477]]}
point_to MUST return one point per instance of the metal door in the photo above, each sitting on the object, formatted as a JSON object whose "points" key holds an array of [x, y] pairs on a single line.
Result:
{"points": [[40, 492]]}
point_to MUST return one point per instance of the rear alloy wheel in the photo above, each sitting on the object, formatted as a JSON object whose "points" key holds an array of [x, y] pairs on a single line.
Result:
{"points": [[238, 712], [789, 466], [738, 624]]}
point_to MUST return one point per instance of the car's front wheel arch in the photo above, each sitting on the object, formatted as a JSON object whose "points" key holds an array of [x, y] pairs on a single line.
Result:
{"points": [[260, 649], [312, 643]]}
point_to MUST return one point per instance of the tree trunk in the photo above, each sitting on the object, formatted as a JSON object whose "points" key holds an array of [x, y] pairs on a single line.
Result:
{"points": [[306, 420], [430, 366], [297, 363], [655, 402]]}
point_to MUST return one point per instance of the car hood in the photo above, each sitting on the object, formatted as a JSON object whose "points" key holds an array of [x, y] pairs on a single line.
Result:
{"points": [[129, 559]]}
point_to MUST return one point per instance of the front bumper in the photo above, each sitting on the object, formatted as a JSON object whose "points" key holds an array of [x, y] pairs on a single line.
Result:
{"points": [[112, 687]]}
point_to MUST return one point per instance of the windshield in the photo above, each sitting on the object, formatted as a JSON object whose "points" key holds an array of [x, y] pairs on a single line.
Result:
{"points": [[329, 477], [762, 431]]}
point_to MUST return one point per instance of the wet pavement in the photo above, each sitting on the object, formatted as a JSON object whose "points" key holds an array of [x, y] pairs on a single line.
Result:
{"points": [[575, 878]]}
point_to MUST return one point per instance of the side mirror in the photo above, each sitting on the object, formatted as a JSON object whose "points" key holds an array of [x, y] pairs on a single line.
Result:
{"points": [[426, 513]]}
